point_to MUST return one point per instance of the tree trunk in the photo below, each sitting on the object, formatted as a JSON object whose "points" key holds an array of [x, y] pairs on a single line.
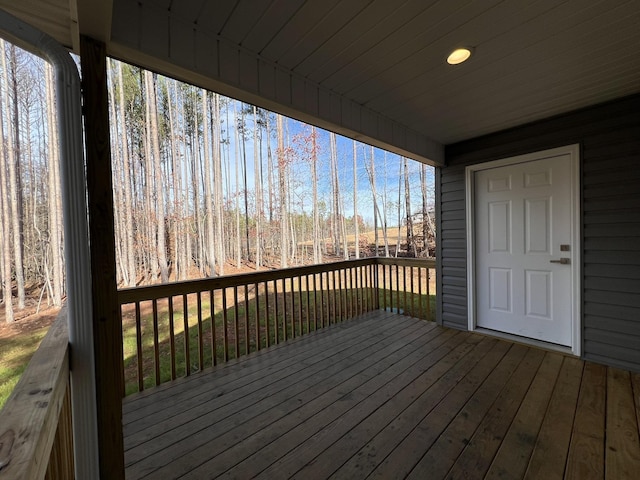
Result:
{"points": [[243, 143], [385, 234], [157, 169], [208, 199], [238, 237], [355, 199], [270, 184], [6, 226], [335, 195], [317, 239], [257, 175], [55, 222], [411, 246], [17, 235], [149, 213], [399, 209], [13, 146], [218, 182], [282, 181], [128, 203], [426, 219]]}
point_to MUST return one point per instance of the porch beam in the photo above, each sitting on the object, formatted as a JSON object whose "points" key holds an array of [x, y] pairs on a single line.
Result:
{"points": [[107, 331]]}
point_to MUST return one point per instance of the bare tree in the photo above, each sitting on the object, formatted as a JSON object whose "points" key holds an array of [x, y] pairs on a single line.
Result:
{"points": [[55, 212], [208, 198], [355, 199], [13, 148], [5, 229], [218, 182], [126, 180], [411, 246], [282, 182]]}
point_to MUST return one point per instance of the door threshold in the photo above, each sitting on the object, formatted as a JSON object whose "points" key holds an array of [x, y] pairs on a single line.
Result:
{"points": [[531, 342]]}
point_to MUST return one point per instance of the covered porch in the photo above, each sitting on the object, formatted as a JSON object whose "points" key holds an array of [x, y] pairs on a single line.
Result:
{"points": [[371, 392]]}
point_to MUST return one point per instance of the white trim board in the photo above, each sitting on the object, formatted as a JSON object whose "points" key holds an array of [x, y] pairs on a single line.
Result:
{"points": [[575, 254]]}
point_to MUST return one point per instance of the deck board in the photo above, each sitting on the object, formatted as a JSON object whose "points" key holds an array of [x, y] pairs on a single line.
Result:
{"points": [[387, 396]]}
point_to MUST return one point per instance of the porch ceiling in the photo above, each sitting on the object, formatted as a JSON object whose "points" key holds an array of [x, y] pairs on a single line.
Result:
{"points": [[370, 69]]}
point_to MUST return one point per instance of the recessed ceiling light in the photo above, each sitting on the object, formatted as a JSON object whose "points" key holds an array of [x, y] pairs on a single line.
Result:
{"points": [[458, 56]]}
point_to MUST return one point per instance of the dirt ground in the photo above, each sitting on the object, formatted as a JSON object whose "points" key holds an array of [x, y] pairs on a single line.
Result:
{"points": [[27, 320]]}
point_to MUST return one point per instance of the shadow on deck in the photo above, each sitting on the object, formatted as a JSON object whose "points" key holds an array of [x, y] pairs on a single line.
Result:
{"points": [[387, 396]]}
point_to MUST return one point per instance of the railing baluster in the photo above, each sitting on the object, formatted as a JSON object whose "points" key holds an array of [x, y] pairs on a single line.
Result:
{"points": [[284, 316], [200, 340], [212, 317], [156, 342], [225, 328], [322, 282], [364, 287], [336, 296], [368, 270], [236, 322], [376, 285], [257, 317], [335, 306], [185, 320], [292, 312], [247, 333], [315, 302], [420, 292], [267, 314], [395, 289], [300, 305], [412, 296], [139, 347], [345, 293], [353, 280], [353, 309], [341, 294], [308, 315], [172, 339], [428, 294], [403, 291], [359, 290], [276, 324], [384, 286]]}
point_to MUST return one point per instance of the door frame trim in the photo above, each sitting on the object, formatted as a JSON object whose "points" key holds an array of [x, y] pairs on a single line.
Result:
{"points": [[576, 261]]}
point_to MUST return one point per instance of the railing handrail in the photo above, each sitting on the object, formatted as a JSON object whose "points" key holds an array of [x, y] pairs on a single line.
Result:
{"points": [[29, 419], [154, 292], [407, 261]]}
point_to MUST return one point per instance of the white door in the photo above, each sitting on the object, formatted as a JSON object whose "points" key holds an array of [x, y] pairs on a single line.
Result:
{"points": [[523, 230]]}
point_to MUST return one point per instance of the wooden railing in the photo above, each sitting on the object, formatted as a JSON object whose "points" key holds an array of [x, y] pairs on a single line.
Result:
{"points": [[172, 330], [406, 286], [36, 439]]}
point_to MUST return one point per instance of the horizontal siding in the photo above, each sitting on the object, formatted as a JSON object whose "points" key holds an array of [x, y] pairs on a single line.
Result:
{"points": [[453, 248], [609, 136]]}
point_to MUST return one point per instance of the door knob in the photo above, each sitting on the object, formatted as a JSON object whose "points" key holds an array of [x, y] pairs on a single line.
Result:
{"points": [[563, 261]]}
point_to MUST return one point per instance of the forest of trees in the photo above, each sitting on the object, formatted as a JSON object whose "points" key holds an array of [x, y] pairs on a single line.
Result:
{"points": [[203, 185], [31, 264]]}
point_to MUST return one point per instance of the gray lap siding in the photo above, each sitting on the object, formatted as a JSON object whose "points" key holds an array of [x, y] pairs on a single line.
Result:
{"points": [[609, 136]]}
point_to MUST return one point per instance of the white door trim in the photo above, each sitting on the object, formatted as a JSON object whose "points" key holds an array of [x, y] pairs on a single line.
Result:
{"points": [[574, 152]]}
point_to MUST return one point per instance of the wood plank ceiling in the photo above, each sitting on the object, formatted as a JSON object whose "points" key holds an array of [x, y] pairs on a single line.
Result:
{"points": [[376, 69]]}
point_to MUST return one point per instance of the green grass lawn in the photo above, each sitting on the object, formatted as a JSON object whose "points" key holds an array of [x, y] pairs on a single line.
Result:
{"points": [[15, 353]]}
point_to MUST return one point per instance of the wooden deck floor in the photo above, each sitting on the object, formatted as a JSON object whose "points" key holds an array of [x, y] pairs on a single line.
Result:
{"points": [[386, 396]]}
